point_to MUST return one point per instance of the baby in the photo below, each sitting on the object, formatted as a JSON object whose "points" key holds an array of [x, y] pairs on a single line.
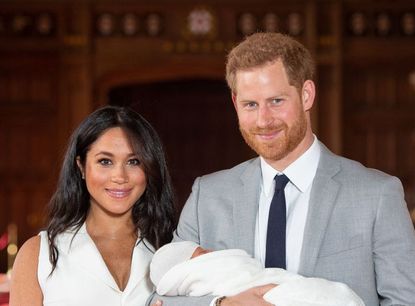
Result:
{"points": [[186, 269]]}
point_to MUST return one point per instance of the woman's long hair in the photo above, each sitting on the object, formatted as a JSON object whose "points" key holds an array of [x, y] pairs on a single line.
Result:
{"points": [[153, 214]]}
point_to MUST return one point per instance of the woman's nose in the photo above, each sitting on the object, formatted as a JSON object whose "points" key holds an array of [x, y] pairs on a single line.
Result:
{"points": [[119, 175]]}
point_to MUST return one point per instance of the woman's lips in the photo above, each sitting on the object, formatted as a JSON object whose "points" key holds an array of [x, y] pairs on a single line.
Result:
{"points": [[118, 193]]}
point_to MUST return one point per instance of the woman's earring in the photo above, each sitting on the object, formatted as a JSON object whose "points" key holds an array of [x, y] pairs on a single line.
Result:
{"points": [[83, 176]]}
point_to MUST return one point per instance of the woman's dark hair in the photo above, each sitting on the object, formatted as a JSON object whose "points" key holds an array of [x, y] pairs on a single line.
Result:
{"points": [[153, 214]]}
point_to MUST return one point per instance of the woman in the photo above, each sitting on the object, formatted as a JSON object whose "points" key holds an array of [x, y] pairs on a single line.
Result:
{"points": [[112, 208]]}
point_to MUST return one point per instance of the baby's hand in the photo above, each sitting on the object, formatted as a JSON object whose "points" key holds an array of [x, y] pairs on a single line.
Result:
{"points": [[200, 251], [157, 303]]}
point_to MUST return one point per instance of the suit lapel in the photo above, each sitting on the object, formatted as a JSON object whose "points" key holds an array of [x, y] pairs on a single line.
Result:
{"points": [[245, 207], [322, 201]]}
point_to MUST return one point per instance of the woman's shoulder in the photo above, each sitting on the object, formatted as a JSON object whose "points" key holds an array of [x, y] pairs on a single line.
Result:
{"points": [[27, 258], [24, 283], [29, 251]]}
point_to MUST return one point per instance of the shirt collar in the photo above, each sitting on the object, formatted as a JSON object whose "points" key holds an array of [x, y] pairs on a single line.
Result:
{"points": [[300, 173]]}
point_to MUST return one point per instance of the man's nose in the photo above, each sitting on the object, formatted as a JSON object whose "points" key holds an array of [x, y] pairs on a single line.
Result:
{"points": [[264, 116]]}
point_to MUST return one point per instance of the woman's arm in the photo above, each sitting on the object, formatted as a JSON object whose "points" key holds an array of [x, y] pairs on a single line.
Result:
{"points": [[24, 287]]}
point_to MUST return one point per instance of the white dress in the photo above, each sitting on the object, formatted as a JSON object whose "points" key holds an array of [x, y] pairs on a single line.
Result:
{"points": [[81, 277]]}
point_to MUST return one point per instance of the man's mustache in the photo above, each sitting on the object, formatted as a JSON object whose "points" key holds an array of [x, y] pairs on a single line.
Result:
{"points": [[268, 130]]}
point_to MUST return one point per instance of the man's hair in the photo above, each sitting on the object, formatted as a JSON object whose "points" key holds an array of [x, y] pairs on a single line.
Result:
{"points": [[261, 49]]}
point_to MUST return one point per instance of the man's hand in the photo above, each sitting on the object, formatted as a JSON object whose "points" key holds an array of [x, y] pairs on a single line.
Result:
{"points": [[157, 303], [253, 296]]}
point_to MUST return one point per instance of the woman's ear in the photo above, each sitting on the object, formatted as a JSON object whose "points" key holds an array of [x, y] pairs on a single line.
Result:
{"points": [[308, 94], [81, 168]]}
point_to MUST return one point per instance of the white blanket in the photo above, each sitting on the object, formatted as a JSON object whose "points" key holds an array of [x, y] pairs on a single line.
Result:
{"points": [[229, 272]]}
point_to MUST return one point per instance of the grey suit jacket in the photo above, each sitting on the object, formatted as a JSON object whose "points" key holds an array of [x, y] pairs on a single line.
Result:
{"points": [[358, 229]]}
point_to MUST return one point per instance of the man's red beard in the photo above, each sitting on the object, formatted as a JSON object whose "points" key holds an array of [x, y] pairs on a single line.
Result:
{"points": [[287, 140]]}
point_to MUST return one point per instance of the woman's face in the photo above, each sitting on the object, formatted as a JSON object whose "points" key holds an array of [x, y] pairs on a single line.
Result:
{"points": [[114, 176]]}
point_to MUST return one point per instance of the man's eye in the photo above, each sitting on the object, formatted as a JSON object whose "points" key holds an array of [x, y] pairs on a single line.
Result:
{"points": [[134, 162], [276, 101], [250, 104], [105, 162]]}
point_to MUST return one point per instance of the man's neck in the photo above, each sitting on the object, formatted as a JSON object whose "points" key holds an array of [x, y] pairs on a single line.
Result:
{"points": [[281, 164]]}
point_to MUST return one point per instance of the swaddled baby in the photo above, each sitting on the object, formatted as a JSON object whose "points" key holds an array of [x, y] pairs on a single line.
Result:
{"points": [[186, 269]]}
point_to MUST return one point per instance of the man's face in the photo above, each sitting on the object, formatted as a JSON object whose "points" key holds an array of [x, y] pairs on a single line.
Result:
{"points": [[271, 113]]}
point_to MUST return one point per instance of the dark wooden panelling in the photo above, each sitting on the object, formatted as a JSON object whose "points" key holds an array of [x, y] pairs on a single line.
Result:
{"points": [[379, 112], [28, 139]]}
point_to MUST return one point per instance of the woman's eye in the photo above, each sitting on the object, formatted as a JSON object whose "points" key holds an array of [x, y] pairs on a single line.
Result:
{"points": [[105, 162], [134, 162]]}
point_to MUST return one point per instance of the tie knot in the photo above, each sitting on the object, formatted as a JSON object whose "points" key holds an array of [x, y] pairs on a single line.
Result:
{"points": [[280, 182]]}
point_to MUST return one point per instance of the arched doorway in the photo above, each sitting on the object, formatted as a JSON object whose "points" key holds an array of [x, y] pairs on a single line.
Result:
{"points": [[196, 121]]}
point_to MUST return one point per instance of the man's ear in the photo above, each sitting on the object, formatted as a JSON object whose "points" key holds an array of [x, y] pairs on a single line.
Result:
{"points": [[308, 94], [81, 168]]}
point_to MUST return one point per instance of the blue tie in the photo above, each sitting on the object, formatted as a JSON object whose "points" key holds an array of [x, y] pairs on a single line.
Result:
{"points": [[275, 249]]}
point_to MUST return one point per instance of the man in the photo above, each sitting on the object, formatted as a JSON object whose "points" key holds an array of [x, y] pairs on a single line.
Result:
{"points": [[344, 222]]}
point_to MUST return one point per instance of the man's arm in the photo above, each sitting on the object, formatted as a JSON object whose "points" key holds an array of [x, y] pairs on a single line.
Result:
{"points": [[394, 247], [180, 300], [188, 230], [188, 227], [253, 296]]}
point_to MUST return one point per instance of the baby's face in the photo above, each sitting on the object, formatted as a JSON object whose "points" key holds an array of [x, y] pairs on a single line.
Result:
{"points": [[200, 251]]}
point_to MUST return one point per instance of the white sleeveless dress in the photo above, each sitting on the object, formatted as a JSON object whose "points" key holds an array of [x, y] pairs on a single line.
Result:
{"points": [[81, 277]]}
